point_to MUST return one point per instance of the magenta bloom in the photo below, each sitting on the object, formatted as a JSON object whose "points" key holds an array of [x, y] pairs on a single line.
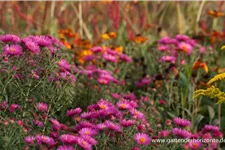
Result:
{"points": [[88, 131], [101, 126], [29, 139], [164, 48], [125, 58], [42, 40], [185, 47], [165, 40], [31, 45], [10, 38], [84, 124], [142, 139], [12, 50], [13, 107], [210, 128], [96, 49], [181, 122], [45, 139], [181, 37], [164, 133], [65, 147], [64, 65], [110, 57], [68, 139], [137, 114], [73, 112], [123, 104], [42, 106], [181, 133], [83, 143], [127, 123], [56, 125], [195, 144], [170, 59], [89, 139], [112, 126]]}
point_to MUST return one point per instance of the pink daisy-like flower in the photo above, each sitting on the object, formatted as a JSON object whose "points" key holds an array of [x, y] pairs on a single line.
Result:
{"points": [[181, 133], [164, 133], [103, 81], [10, 38], [56, 125], [13, 107], [110, 57], [68, 139], [164, 48], [127, 123], [42, 106], [125, 58], [123, 104], [96, 49], [65, 147], [45, 139], [210, 128], [29, 139], [181, 122], [42, 40], [12, 50], [101, 126], [31, 45], [73, 112], [88, 131], [137, 114], [164, 40], [89, 139], [116, 96], [142, 139], [83, 143], [112, 126], [185, 47], [181, 37], [170, 59], [84, 124], [195, 144], [64, 65]]}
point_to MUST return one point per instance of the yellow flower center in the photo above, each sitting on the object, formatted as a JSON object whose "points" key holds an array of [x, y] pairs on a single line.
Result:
{"points": [[142, 140]]}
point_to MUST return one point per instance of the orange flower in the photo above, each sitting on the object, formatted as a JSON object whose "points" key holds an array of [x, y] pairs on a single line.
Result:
{"points": [[108, 35], [215, 13], [84, 44], [118, 49], [199, 64], [139, 39]]}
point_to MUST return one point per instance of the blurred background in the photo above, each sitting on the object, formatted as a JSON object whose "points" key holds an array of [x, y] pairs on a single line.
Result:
{"points": [[90, 19]]}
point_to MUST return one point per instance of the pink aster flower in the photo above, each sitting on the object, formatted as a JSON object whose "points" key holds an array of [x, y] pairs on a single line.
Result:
{"points": [[181, 122], [29, 139], [170, 59], [125, 58], [68, 139], [12, 50], [210, 128], [13, 107], [181, 133], [89, 139], [164, 133], [31, 45], [116, 96], [127, 123], [45, 139], [88, 131], [137, 114], [83, 143], [96, 49], [10, 38], [42, 106], [123, 104], [56, 125], [112, 126], [195, 144], [64, 65], [65, 147], [164, 40], [181, 37], [73, 112], [84, 124], [103, 81], [187, 48], [101, 126], [142, 139], [163, 48], [110, 57], [42, 40]]}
